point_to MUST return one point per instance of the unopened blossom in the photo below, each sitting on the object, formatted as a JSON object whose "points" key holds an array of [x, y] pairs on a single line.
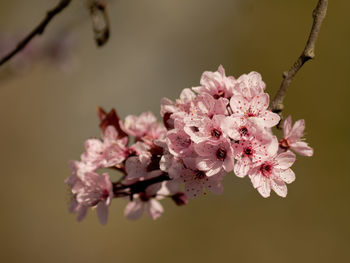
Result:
{"points": [[273, 173], [292, 138]]}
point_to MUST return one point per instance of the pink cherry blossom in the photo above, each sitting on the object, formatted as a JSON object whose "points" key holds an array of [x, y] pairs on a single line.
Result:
{"points": [[214, 157], [147, 201], [273, 174], [255, 110], [92, 191], [216, 84], [292, 138], [249, 85], [254, 150], [138, 126], [106, 153]]}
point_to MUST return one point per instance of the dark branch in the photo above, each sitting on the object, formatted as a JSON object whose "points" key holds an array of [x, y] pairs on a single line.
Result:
{"points": [[139, 186], [308, 53], [38, 30], [100, 22]]}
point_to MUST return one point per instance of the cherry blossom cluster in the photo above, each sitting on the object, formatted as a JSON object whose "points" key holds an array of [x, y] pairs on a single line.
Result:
{"points": [[223, 125]]}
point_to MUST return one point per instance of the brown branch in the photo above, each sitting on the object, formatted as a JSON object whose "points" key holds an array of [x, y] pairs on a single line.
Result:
{"points": [[100, 22], [38, 30], [139, 186], [309, 53]]}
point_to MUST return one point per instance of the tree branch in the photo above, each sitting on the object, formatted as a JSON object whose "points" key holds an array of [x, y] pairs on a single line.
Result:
{"points": [[139, 186], [309, 53], [38, 30]]}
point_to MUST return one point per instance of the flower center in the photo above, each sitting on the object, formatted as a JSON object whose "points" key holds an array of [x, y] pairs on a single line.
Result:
{"points": [[200, 175], [284, 144], [144, 197], [220, 94], [216, 133], [243, 130], [266, 169], [221, 154], [248, 151], [104, 194]]}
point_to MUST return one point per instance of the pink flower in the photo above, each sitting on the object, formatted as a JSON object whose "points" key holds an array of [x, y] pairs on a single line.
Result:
{"points": [[195, 181], [249, 86], [216, 84], [138, 168], [135, 209], [178, 141], [251, 151], [92, 191], [110, 152], [206, 105], [214, 157], [292, 137], [139, 126], [147, 201], [273, 173], [255, 110], [207, 129]]}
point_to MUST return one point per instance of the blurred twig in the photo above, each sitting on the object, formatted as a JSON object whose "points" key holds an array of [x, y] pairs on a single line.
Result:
{"points": [[100, 21], [38, 30], [308, 53]]}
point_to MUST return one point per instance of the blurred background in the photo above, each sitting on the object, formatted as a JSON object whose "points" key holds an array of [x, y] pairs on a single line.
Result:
{"points": [[48, 99]]}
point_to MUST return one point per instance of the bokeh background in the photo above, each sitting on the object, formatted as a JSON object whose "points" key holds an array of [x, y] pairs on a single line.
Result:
{"points": [[157, 48]]}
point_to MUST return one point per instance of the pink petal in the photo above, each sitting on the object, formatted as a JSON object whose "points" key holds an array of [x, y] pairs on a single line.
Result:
{"points": [[102, 212], [287, 126], [193, 189], [134, 210], [256, 179], [205, 149], [215, 170], [215, 187], [287, 175], [285, 160], [297, 131], [279, 187], [259, 103], [242, 167], [302, 148], [204, 164], [239, 105], [154, 209], [228, 164], [265, 188], [270, 119]]}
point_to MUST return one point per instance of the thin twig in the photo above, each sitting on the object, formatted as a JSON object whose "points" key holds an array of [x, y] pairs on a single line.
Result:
{"points": [[100, 22], [38, 30], [309, 53]]}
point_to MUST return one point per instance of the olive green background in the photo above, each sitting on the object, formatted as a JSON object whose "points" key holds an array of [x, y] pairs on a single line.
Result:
{"points": [[157, 48]]}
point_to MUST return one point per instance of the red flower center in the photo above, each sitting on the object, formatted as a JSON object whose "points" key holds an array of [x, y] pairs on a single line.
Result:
{"points": [[243, 130], [284, 144], [221, 154], [266, 169], [248, 151], [216, 133]]}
